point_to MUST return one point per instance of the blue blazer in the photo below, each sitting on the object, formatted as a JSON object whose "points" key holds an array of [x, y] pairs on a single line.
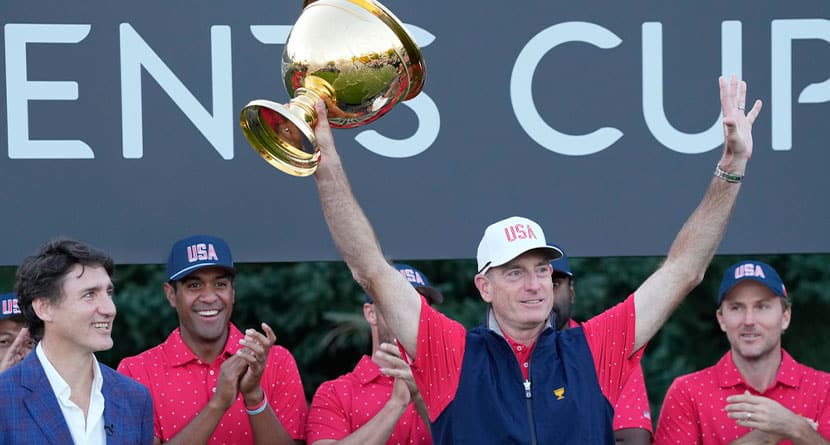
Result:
{"points": [[30, 413]]}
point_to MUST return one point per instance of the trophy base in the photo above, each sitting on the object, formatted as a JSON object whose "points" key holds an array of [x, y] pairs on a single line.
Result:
{"points": [[281, 136]]}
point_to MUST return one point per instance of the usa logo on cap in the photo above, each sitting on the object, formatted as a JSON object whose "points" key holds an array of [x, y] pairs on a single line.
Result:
{"points": [[9, 305], [751, 270], [195, 252]]}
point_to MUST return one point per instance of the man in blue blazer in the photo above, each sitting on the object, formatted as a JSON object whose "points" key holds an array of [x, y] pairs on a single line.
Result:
{"points": [[60, 394]]}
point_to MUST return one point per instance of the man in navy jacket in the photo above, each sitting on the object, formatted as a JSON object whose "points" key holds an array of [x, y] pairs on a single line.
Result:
{"points": [[516, 379]]}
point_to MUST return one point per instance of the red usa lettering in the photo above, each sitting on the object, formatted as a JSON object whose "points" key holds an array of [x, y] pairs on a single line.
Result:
{"points": [[201, 252], [749, 270], [519, 231]]}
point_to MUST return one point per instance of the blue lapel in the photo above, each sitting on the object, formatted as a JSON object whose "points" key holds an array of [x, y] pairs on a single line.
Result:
{"points": [[42, 403], [116, 406]]}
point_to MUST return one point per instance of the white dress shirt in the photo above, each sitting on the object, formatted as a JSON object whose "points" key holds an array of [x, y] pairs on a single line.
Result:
{"points": [[89, 430]]}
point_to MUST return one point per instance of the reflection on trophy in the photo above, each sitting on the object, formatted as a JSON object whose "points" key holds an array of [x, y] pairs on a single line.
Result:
{"points": [[354, 55]]}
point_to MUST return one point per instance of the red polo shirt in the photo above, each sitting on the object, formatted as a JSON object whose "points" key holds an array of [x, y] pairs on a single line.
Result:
{"points": [[694, 409], [632, 409], [342, 406], [441, 343], [181, 385]]}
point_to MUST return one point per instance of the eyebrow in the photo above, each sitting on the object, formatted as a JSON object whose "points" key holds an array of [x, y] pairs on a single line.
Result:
{"points": [[96, 288], [191, 278]]}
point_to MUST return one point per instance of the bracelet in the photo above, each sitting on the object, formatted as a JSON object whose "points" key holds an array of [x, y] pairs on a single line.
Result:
{"points": [[728, 177], [259, 408]]}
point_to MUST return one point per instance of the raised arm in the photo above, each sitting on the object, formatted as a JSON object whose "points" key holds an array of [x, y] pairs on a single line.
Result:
{"points": [[395, 297], [698, 239]]}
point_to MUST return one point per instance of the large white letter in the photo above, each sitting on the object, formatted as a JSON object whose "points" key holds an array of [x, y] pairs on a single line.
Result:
{"points": [[521, 94], [782, 34], [217, 128], [19, 91], [653, 111]]}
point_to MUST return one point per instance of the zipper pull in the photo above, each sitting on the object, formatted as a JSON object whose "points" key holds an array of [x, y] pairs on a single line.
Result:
{"points": [[528, 394]]}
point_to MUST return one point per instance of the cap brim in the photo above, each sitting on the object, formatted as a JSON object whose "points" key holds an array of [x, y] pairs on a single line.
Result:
{"points": [[189, 270], [551, 252], [775, 291], [433, 296], [20, 318]]}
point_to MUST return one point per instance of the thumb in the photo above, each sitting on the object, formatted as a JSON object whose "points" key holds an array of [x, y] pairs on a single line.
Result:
{"points": [[322, 115]]}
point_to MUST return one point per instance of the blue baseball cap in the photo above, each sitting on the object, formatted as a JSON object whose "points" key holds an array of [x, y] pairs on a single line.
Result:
{"points": [[751, 270], [195, 252], [8, 302], [419, 281], [560, 265]]}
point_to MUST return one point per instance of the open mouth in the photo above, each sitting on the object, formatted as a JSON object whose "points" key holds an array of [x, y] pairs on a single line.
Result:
{"points": [[532, 302], [104, 325], [208, 313]]}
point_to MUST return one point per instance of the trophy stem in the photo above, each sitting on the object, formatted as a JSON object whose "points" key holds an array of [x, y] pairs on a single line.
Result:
{"points": [[284, 135]]}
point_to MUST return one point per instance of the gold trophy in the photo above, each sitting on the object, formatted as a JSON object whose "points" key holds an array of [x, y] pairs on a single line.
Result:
{"points": [[356, 56]]}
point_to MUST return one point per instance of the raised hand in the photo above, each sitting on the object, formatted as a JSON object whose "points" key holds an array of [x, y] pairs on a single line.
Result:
{"points": [[20, 347], [227, 385], [254, 351], [737, 124], [388, 357]]}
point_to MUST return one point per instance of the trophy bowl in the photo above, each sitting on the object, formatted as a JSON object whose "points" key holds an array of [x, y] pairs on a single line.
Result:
{"points": [[356, 57]]}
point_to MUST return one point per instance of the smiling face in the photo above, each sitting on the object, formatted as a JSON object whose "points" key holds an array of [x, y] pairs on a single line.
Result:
{"points": [[521, 293], [203, 301], [82, 319], [753, 319]]}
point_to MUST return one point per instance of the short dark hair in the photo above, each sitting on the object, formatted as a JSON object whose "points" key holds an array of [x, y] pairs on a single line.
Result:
{"points": [[42, 275]]}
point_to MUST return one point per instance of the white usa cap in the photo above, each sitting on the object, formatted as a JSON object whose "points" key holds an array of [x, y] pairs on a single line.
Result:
{"points": [[507, 239]]}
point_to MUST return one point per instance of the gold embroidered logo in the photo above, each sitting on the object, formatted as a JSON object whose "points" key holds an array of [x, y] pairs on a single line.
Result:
{"points": [[559, 393]]}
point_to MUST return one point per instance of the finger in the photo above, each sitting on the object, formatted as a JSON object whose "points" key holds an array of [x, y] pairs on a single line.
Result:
{"points": [[18, 342], [392, 361], [322, 116], [248, 356], [756, 109], [741, 93], [390, 349], [724, 97], [269, 333], [733, 90], [742, 398], [403, 374], [233, 368], [254, 340]]}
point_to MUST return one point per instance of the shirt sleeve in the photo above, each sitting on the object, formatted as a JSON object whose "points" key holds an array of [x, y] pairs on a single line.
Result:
{"points": [[437, 365], [632, 409], [679, 422], [130, 368], [823, 419], [285, 392], [610, 337], [327, 417]]}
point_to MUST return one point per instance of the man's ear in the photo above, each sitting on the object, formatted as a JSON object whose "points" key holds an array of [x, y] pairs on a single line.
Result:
{"points": [[719, 316], [42, 309], [369, 314], [170, 293], [484, 286]]}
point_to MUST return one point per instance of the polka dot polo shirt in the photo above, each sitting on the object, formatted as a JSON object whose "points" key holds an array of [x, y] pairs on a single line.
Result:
{"points": [[181, 385]]}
